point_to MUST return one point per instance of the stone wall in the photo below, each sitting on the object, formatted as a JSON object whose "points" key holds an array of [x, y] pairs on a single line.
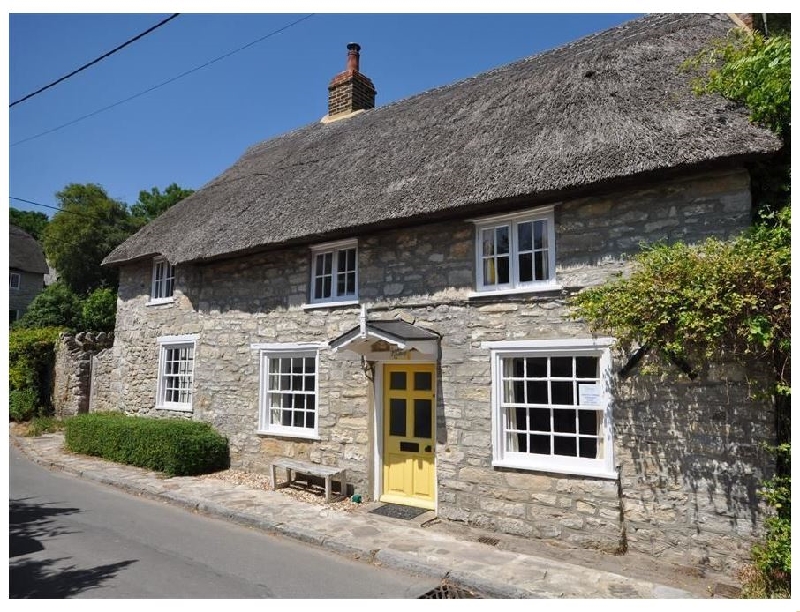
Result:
{"points": [[73, 370], [686, 450]]}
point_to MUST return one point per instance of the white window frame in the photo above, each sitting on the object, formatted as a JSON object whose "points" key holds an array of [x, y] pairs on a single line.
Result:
{"points": [[160, 286], [335, 250], [267, 352], [512, 221], [602, 467], [166, 343], [11, 277]]}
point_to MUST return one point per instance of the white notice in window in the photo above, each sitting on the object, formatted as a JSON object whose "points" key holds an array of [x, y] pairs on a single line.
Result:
{"points": [[589, 394]]}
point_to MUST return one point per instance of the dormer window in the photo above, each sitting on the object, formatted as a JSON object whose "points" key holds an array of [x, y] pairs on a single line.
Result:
{"points": [[13, 280], [334, 272], [516, 252], [163, 283]]}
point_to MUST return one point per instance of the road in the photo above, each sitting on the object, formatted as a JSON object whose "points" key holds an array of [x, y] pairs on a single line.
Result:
{"points": [[71, 538]]}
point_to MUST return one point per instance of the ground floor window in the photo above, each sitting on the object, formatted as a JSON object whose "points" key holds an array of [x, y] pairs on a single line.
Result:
{"points": [[551, 407], [175, 372], [289, 391]]}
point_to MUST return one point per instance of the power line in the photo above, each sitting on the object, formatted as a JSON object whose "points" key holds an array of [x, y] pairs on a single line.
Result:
{"points": [[168, 81], [94, 61], [73, 212]]}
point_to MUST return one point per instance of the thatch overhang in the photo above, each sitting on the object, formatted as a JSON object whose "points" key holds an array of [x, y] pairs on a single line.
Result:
{"points": [[606, 109], [24, 253]]}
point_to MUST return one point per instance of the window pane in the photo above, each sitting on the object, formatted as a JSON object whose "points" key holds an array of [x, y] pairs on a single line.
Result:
{"points": [[540, 445], [311, 365], [536, 367], [542, 269], [540, 235], [397, 417], [423, 418], [588, 422], [561, 393], [326, 287], [537, 392], [328, 263], [540, 419], [489, 277], [525, 267], [561, 367], [310, 420], [320, 265], [503, 275], [397, 380], [299, 419], [524, 236], [588, 448], [488, 242], [564, 421], [567, 447], [586, 367], [423, 381], [501, 240], [340, 284]]}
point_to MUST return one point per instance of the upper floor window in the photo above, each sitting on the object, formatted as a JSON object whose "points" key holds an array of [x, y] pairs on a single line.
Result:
{"points": [[516, 252], [175, 372], [334, 272], [163, 280], [13, 280], [551, 407]]}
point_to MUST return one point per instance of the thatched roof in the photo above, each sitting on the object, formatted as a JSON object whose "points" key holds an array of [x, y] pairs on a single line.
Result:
{"points": [[609, 106], [24, 253]]}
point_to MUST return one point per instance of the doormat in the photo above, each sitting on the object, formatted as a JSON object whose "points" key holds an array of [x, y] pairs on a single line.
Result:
{"points": [[398, 511]]}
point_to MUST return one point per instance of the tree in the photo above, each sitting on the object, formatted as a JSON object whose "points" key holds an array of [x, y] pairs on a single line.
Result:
{"points": [[99, 310], [88, 227], [755, 71], [55, 306], [153, 203], [32, 222]]}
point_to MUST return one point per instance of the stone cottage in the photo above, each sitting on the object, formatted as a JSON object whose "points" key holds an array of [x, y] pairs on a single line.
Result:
{"points": [[386, 290], [27, 268]]}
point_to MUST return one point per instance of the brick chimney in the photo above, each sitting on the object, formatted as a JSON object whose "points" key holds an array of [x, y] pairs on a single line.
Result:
{"points": [[350, 91]]}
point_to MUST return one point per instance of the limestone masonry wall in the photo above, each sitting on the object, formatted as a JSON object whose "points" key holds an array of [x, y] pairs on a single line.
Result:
{"points": [[687, 451]]}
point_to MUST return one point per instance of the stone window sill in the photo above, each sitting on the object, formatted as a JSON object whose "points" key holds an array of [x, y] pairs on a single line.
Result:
{"points": [[161, 301]]}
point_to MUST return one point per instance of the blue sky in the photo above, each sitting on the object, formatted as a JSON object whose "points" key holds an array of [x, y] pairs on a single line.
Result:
{"points": [[192, 129]]}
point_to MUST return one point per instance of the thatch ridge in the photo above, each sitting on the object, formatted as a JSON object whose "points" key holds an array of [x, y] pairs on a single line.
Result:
{"points": [[608, 106]]}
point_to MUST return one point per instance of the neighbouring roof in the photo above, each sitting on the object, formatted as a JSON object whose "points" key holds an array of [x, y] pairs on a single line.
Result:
{"points": [[24, 253], [610, 106]]}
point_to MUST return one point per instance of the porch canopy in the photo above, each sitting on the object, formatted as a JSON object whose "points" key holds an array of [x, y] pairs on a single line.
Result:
{"points": [[389, 339]]}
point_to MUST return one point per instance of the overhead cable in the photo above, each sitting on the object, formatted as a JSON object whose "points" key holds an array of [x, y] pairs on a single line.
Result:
{"points": [[168, 81], [94, 61]]}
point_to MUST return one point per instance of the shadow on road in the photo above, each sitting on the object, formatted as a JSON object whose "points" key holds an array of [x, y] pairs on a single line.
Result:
{"points": [[29, 525]]}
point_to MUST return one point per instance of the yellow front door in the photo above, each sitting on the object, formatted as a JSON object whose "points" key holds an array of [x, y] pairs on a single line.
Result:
{"points": [[409, 425]]}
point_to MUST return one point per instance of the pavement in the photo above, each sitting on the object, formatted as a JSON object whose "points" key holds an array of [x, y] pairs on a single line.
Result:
{"points": [[425, 545]]}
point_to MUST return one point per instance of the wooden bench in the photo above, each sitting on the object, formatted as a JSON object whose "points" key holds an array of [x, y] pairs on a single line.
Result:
{"points": [[310, 469]]}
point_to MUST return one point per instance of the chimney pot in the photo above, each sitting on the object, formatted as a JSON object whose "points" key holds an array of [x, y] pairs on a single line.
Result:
{"points": [[352, 56]]}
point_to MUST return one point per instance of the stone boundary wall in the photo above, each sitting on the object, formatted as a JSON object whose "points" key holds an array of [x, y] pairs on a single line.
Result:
{"points": [[73, 370]]}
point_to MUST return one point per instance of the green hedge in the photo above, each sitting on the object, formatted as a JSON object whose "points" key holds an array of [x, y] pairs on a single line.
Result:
{"points": [[31, 355], [176, 448]]}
